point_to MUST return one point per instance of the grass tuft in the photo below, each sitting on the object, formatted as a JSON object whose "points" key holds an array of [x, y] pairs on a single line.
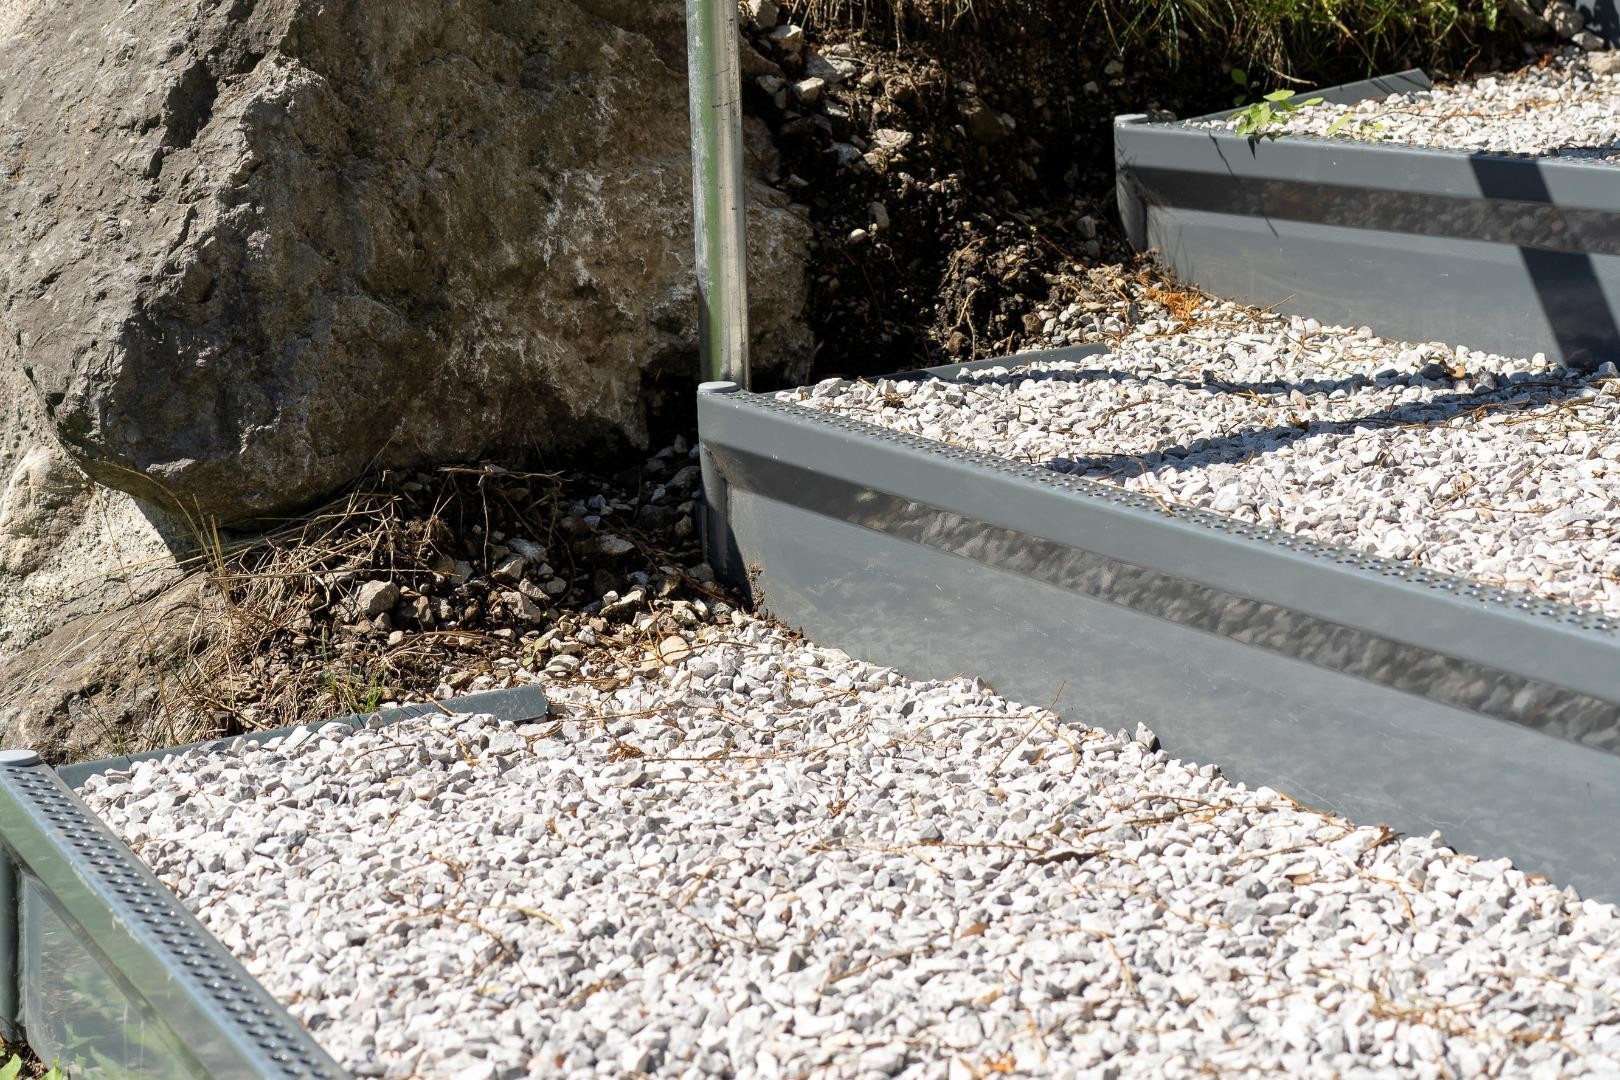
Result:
{"points": [[1294, 41], [24, 1066]]}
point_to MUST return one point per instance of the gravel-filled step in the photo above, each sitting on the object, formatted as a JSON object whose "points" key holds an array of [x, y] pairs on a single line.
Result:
{"points": [[768, 859], [1503, 470], [1561, 108]]}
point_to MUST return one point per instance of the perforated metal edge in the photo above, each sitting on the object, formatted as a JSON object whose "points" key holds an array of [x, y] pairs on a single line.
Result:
{"points": [[10, 957], [1310, 138], [1509, 253], [517, 704], [1488, 597], [1358, 693], [177, 974], [1542, 647]]}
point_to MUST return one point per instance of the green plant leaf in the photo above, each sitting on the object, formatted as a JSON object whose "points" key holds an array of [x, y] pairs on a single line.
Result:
{"points": [[1311, 103], [1240, 76], [1279, 95], [11, 1069]]}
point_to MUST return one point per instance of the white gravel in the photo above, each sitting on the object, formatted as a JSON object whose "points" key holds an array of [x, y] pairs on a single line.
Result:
{"points": [[1564, 109], [1506, 471], [768, 860]]}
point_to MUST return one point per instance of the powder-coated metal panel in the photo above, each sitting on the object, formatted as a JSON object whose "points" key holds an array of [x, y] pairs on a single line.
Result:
{"points": [[1509, 253]]}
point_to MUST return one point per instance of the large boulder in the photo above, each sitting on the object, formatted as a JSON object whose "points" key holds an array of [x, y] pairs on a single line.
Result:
{"points": [[68, 548], [255, 247]]}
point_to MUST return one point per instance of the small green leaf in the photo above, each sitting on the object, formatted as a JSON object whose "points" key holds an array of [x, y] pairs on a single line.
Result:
{"points": [[1279, 95], [11, 1069], [1311, 103], [1240, 76], [1339, 124]]}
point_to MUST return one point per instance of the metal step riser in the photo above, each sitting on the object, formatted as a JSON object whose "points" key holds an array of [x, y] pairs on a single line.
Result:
{"points": [[1509, 254]]}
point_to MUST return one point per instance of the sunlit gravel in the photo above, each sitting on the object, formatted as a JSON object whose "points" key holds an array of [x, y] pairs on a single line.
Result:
{"points": [[1499, 469], [767, 859]]}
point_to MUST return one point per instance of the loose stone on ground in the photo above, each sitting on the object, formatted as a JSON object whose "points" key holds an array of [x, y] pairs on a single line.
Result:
{"points": [[766, 858]]}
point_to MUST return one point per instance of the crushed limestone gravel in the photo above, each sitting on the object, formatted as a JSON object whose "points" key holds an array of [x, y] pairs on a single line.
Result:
{"points": [[1503, 470], [768, 859], [1562, 109]]}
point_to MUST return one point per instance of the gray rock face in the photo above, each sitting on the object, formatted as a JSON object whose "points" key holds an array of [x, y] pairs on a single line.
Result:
{"points": [[254, 248]]}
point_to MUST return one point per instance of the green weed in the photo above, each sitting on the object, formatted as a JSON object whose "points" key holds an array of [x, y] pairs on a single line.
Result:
{"points": [[356, 692], [1267, 117], [13, 1069], [1296, 42]]}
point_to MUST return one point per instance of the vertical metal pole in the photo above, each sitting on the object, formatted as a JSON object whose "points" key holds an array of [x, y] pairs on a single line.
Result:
{"points": [[10, 950], [11, 917], [717, 188]]}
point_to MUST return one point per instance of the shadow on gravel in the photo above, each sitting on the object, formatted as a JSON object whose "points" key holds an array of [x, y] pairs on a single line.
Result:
{"points": [[1272, 387], [1568, 283], [1240, 446]]}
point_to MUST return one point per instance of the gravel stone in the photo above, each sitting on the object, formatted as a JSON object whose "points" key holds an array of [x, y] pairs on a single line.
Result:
{"points": [[808, 91], [509, 571], [770, 859], [763, 13], [614, 546], [376, 597]]}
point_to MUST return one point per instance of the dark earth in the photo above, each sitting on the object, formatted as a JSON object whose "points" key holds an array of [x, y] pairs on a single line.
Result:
{"points": [[1002, 198]]}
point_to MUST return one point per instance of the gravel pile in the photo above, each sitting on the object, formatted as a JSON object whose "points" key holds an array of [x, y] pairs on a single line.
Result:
{"points": [[1563, 109], [1506, 471], [768, 859]]}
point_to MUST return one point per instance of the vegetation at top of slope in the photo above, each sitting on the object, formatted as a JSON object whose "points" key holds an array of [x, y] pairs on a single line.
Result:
{"points": [[1287, 41]]}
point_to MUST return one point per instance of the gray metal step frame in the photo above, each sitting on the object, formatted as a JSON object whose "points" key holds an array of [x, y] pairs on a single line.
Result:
{"points": [[102, 967], [1358, 685], [1508, 253]]}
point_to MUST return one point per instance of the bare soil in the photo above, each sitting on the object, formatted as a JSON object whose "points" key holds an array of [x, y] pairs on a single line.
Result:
{"points": [[989, 148]]}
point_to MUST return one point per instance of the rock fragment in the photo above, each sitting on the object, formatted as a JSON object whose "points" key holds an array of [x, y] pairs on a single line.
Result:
{"points": [[375, 598]]}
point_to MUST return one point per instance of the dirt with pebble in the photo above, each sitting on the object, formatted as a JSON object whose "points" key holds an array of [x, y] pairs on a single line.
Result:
{"points": [[956, 179]]}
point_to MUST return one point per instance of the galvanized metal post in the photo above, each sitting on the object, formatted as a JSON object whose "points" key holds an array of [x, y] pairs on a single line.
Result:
{"points": [[717, 188], [11, 922], [10, 957]]}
